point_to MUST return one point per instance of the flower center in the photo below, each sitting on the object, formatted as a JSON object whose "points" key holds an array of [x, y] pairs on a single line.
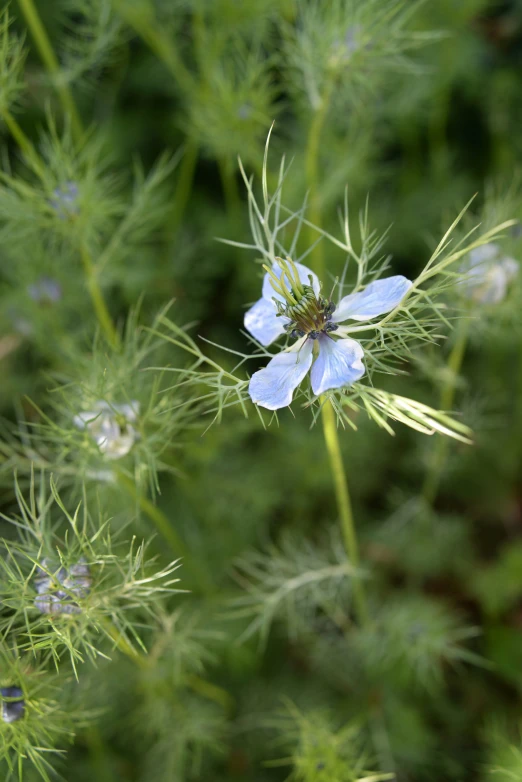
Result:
{"points": [[309, 314]]}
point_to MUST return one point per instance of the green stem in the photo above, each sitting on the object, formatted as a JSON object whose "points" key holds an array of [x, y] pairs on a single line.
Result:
{"points": [[144, 25], [440, 452], [23, 142], [437, 130], [17, 133], [50, 61], [206, 689], [344, 504], [378, 725], [184, 186], [100, 308], [312, 172], [100, 765], [167, 531], [98, 302], [156, 515], [211, 692], [230, 188]]}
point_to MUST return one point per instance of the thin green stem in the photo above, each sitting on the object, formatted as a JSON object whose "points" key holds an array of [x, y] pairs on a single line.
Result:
{"points": [[184, 186], [123, 645], [17, 133], [206, 689], [312, 172], [211, 692], [98, 302], [167, 531], [50, 61], [100, 765], [100, 307], [23, 142], [440, 452], [156, 515], [344, 504], [144, 25], [230, 188]]}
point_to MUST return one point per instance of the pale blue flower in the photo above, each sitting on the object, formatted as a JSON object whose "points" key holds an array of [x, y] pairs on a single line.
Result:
{"points": [[111, 426], [488, 274], [291, 303], [45, 291], [65, 200]]}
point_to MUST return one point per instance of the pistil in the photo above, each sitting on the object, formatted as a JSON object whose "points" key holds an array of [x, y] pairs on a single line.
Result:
{"points": [[309, 314]]}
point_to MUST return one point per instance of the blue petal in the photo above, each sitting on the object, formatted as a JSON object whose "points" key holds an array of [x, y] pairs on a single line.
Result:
{"points": [[273, 386], [487, 275], [377, 298], [486, 253], [510, 268], [263, 323], [339, 364], [304, 275]]}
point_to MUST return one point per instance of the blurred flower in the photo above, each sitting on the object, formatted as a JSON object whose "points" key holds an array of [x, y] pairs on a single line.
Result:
{"points": [[488, 274], [111, 427], [65, 201], [20, 324], [75, 580], [12, 710], [291, 302], [45, 291], [342, 50]]}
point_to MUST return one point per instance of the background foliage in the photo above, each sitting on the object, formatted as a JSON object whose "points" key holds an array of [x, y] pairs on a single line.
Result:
{"points": [[119, 170]]}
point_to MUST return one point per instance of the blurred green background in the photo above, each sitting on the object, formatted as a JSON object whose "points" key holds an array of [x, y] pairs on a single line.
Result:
{"points": [[416, 106]]}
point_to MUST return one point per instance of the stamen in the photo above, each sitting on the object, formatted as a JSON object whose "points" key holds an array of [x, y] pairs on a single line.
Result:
{"points": [[279, 286], [309, 313], [297, 280]]}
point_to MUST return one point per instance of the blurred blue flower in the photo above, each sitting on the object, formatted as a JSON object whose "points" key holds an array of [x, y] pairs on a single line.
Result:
{"points": [[487, 274], [65, 201], [111, 426], [291, 303], [45, 291]]}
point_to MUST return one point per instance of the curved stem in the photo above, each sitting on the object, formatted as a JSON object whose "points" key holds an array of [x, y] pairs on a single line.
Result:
{"points": [[312, 172], [168, 533], [208, 690], [98, 302], [144, 24], [440, 452], [184, 186], [24, 144], [229, 183], [211, 692], [17, 133], [50, 61], [343, 503]]}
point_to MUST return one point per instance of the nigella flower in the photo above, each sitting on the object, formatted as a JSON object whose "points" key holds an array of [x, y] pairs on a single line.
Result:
{"points": [[45, 291], [13, 709], [111, 427], [65, 201], [291, 302], [51, 598], [488, 274]]}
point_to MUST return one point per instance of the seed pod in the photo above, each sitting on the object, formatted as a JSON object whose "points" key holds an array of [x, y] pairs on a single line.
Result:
{"points": [[53, 600], [12, 710]]}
